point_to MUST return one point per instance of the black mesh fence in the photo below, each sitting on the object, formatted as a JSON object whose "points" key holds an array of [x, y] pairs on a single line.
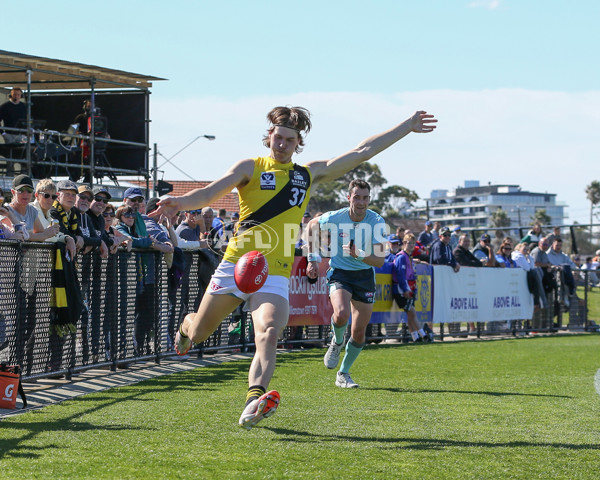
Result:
{"points": [[133, 302]]}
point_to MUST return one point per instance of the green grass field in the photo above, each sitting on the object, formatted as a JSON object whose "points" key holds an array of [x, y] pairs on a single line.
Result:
{"points": [[519, 408], [593, 302]]}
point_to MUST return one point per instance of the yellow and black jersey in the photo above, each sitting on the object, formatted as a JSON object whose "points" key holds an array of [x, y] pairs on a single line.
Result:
{"points": [[271, 207]]}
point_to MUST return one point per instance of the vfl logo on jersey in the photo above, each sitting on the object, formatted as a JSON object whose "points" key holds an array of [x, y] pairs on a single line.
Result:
{"points": [[267, 181]]}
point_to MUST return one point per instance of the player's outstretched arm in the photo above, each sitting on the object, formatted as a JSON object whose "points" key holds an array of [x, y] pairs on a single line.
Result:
{"points": [[325, 170], [236, 176]]}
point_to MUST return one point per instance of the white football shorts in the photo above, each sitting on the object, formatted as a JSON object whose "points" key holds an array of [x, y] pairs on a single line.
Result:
{"points": [[223, 282]]}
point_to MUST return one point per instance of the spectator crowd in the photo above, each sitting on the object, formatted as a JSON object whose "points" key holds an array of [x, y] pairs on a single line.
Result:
{"points": [[85, 222]]}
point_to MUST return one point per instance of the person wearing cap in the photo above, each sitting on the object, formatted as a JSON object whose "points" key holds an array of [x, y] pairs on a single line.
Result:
{"points": [[91, 239], [100, 199], [21, 211], [91, 274], [68, 217], [68, 313], [188, 232], [426, 237], [394, 246], [24, 212], [283, 187], [134, 198], [441, 254], [484, 253], [7, 221]]}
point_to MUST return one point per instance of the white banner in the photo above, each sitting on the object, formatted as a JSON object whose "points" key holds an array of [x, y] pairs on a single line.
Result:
{"points": [[480, 294]]}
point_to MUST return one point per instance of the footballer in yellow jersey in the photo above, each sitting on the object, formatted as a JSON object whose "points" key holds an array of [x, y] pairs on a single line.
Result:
{"points": [[272, 204], [273, 194]]}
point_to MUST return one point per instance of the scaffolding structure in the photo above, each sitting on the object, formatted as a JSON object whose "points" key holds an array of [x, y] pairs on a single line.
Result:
{"points": [[34, 74]]}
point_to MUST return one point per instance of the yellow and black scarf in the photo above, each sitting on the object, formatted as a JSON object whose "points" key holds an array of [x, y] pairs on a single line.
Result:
{"points": [[66, 299]]}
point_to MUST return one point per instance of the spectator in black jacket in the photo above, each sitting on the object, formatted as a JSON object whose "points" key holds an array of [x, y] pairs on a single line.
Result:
{"points": [[91, 240], [91, 273], [484, 253], [463, 255], [97, 207]]}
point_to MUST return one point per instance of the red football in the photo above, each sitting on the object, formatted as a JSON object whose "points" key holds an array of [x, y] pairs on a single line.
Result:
{"points": [[251, 271]]}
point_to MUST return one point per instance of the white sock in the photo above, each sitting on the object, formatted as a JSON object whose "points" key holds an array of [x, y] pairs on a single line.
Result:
{"points": [[414, 335], [422, 333]]}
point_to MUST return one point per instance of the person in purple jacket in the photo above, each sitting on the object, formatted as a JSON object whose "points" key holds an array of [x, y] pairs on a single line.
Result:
{"points": [[404, 287]]}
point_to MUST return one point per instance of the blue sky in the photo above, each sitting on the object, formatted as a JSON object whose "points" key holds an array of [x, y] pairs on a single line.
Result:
{"points": [[514, 83]]}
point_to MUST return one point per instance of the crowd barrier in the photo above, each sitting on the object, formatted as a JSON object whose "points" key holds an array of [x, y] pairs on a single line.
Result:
{"points": [[120, 322]]}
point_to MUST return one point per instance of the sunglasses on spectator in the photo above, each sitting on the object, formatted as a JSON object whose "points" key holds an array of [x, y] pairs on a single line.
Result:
{"points": [[109, 214], [85, 197], [446, 235], [137, 200], [25, 190], [101, 199], [486, 241], [48, 195], [128, 214], [506, 248]]}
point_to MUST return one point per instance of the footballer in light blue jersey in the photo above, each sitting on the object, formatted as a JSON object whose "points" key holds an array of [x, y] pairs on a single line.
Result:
{"points": [[357, 238], [369, 231]]}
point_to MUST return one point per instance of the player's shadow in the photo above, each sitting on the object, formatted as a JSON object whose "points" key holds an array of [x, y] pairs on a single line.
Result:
{"points": [[25, 446], [465, 392], [412, 443]]}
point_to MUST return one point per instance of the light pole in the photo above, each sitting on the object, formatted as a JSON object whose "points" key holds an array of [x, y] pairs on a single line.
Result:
{"points": [[168, 160]]}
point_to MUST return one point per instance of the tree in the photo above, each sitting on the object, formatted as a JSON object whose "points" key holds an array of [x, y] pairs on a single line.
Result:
{"points": [[500, 218], [384, 198], [592, 192], [541, 217]]}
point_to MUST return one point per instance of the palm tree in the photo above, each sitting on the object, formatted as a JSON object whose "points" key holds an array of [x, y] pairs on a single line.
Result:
{"points": [[592, 192], [500, 218], [541, 216]]}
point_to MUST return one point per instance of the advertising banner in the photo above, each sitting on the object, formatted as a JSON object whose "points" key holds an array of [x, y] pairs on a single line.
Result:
{"points": [[309, 303], [385, 309], [480, 294]]}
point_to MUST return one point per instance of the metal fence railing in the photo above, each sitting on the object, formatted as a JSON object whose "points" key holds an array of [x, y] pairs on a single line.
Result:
{"points": [[132, 304]]}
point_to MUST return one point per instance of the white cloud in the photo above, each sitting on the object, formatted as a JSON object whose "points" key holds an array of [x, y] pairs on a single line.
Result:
{"points": [[490, 4], [543, 141]]}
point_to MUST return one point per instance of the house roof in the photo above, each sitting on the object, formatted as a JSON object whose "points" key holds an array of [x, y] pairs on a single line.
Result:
{"points": [[229, 202]]}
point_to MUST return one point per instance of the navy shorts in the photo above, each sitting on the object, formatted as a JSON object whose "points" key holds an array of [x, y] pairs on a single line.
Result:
{"points": [[360, 283]]}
